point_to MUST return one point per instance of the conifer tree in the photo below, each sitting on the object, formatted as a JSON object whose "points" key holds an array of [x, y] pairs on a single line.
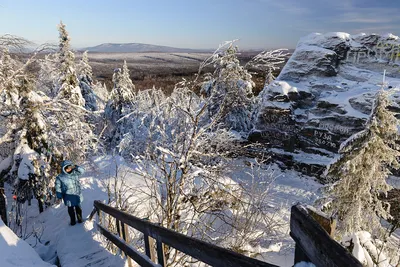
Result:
{"points": [[68, 81], [230, 92], [119, 105], [361, 171], [86, 82], [48, 75], [8, 67], [126, 81], [269, 78], [84, 69]]}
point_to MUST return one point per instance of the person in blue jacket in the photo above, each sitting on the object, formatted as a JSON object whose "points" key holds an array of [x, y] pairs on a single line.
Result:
{"points": [[68, 188]]}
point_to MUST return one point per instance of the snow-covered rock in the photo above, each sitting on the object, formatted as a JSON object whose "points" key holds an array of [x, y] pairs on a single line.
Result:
{"points": [[325, 92]]}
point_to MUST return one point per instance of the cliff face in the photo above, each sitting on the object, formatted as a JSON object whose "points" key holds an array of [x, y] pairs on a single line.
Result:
{"points": [[324, 94]]}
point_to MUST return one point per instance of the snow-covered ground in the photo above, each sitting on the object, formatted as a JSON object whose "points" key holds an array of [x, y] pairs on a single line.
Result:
{"points": [[16, 252], [82, 244], [51, 235]]}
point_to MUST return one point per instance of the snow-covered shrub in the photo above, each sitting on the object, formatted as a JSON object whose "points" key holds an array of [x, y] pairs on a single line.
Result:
{"points": [[182, 165], [370, 251]]}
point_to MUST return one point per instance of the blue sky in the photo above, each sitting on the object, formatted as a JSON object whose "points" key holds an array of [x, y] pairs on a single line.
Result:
{"points": [[257, 24]]}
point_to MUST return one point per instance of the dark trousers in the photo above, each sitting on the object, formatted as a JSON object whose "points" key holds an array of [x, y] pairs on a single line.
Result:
{"points": [[71, 212]]}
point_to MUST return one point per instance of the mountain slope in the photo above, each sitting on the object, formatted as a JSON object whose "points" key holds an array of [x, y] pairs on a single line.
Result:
{"points": [[138, 47]]}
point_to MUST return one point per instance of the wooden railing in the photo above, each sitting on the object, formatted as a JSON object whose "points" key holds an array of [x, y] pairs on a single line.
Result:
{"points": [[200, 250], [311, 231]]}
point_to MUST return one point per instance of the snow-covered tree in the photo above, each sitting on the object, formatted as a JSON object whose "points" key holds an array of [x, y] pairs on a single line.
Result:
{"points": [[229, 91], [31, 161], [68, 82], [269, 78], [120, 103], [84, 69], [126, 81], [145, 106], [8, 67], [48, 75], [361, 171], [267, 62], [86, 82]]}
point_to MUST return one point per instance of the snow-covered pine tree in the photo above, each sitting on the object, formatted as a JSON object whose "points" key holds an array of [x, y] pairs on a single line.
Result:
{"points": [[72, 136], [119, 105], [86, 82], [229, 92], [84, 69], [8, 68], [34, 135], [48, 75], [361, 170], [126, 81], [137, 138], [68, 82], [269, 78], [30, 165]]}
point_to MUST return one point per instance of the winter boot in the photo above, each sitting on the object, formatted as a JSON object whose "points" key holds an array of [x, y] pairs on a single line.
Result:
{"points": [[71, 213], [78, 210]]}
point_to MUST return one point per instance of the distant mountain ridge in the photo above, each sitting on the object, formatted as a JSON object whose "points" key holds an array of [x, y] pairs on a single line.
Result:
{"points": [[138, 48]]}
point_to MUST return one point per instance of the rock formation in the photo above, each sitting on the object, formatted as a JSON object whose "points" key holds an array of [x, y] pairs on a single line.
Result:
{"points": [[323, 95]]}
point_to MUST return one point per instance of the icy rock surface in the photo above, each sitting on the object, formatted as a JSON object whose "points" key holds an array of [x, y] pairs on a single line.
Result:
{"points": [[324, 94]]}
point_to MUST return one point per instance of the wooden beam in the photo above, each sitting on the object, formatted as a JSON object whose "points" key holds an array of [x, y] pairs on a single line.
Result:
{"points": [[141, 259], [316, 243], [203, 251]]}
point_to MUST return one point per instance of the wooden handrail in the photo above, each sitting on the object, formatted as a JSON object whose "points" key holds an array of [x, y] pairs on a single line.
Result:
{"points": [[313, 243], [205, 252]]}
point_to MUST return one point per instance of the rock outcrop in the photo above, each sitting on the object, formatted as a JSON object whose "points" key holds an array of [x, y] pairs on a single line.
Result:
{"points": [[324, 95]]}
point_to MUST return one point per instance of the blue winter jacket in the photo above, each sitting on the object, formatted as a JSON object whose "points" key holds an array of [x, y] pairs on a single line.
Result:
{"points": [[68, 186]]}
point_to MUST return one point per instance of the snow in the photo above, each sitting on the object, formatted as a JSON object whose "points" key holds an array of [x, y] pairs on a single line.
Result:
{"points": [[82, 244], [284, 188], [16, 252], [282, 87], [304, 264], [26, 166], [366, 250]]}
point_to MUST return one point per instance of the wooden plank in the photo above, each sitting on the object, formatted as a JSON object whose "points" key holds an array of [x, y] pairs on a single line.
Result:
{"points": [[141, 259], [203, 251], [148, 246], [299, 255], [160, 253], [316, 243], [329, 224]]}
